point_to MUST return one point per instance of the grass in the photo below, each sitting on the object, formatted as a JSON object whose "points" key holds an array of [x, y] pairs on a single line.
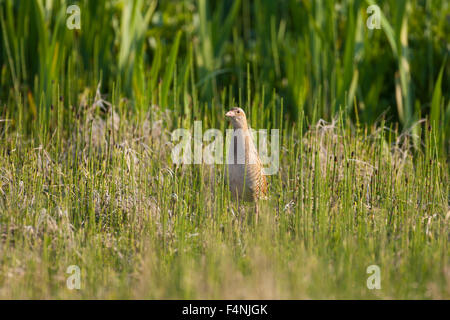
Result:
{"points": [[319, 56], [87, 178], [107, 198]]}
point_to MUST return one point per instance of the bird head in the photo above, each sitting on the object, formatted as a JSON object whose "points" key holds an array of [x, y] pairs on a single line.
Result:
{"points": [[237, 117]]}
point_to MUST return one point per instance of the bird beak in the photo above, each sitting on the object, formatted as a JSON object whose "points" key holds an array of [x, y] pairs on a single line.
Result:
{"points": [[229, 114]]}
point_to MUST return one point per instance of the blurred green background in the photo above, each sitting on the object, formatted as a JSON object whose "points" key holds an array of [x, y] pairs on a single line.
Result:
{"points": [[315, 56]]}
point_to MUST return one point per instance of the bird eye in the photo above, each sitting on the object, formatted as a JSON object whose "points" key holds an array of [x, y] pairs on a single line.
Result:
{"points": [[238, 111]]}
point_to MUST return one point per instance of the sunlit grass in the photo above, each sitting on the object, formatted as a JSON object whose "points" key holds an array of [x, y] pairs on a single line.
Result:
{"points": [[87, 178], [107, 198]]}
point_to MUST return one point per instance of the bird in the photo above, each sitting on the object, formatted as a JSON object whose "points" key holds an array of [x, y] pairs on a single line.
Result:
{"points": [[245, 171]]}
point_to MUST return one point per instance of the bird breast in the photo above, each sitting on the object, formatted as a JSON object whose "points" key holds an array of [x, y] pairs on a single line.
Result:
{"points": [[244, 166]]}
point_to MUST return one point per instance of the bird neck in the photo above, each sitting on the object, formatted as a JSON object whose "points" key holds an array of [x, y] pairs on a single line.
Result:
{"points": [[242, 127]]}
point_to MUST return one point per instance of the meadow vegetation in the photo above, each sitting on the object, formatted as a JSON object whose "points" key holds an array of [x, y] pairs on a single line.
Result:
{"points": [[87, 177]]}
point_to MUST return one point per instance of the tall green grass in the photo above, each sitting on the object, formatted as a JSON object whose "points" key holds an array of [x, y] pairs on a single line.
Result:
{"points": [[319, 56], [107, 197], [86, 176]]}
